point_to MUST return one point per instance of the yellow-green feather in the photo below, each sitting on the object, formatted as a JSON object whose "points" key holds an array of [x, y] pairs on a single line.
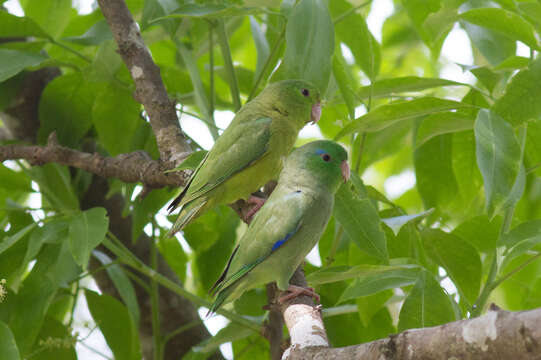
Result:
{"points": [[249, 153]]}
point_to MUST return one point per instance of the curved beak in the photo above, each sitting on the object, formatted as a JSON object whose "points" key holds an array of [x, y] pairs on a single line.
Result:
{"points": [[345, 170], [316, 112]]}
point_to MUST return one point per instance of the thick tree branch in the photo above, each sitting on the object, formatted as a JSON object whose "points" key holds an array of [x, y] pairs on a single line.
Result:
{"points": [[150, 90], [496, 335], [130, 168], [303, 319]]}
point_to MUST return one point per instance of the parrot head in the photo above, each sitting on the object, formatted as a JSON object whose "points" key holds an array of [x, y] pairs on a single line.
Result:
{"points": [[297, 96], [323, 160]]}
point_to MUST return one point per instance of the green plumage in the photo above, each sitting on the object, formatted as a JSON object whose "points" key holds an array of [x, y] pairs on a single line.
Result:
{"points": [[249, 153], [290, 223]]}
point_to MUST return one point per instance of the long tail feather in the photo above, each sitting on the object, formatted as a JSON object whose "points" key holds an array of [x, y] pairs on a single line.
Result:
{"points": [[187, 214]]}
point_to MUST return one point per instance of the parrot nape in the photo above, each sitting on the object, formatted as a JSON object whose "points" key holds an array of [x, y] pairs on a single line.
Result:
{"points": [[249, 153], [288, 225]]}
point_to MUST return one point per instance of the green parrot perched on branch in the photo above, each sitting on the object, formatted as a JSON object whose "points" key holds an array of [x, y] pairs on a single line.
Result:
{"points": [[288, 226], [250, 151]]}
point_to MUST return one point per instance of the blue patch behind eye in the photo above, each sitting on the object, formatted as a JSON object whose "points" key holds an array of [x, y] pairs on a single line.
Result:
{"points": [[281, 242], [319, 151]]}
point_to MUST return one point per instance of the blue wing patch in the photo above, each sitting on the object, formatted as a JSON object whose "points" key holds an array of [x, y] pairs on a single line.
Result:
{"points": [[282, 241]]}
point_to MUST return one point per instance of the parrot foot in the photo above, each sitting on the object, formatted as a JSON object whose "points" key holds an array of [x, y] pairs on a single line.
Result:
{"points": [[295, 291], [257, 203]]}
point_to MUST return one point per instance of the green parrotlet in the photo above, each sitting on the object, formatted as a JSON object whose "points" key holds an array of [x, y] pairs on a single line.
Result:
{"points": [[249, 153], [288, 225]]}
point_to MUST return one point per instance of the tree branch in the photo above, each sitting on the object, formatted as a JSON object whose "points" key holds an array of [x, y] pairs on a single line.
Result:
{"points": [[150, 90], [496, 335], [303, 319], [130, 168]]}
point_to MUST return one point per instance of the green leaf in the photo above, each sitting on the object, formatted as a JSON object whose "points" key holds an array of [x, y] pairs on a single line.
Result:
{"points": [[54, 329], [98, 33], [14, 26], [116, 136], [426, 305], [443, 123], [9, 241], [519, 102], [480, 232], [487, 77], [494, 46], [261, 45], [210, 11], [116, 325], [122, 284], [467, 174], [310, 37], [50, 232], [381, 279], [145, 210], [174, 255], [344, 80], [66, 98], [51, 15], [459, 259], [361, 222], [369, 306], [504, 22], [513, 63], [353, 31], [54, 267], [86, 231], [397, 85], [231, 332], [13, 62], [155, 10], [212, 236], [55, 185], [14, 181], [396, 222], [498, 158], [7, 343], [436, 181], [370, 273], [191, 162], [387, 115]]}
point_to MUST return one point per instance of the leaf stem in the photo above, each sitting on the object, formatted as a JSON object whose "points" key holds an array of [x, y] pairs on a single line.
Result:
{"points": [[480, 303], [264, 70], [228, 62], [154, 297], [498, 281], [211, 72], [124, 255], [345, 14], [334, 245], [73, 51]]}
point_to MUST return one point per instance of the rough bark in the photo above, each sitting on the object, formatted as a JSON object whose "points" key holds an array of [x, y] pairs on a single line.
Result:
{"points": [[496, 335], [130, 168], [150, 90]]}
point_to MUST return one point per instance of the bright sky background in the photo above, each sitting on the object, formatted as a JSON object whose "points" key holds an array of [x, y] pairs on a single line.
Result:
{"points": [[456, 49]]}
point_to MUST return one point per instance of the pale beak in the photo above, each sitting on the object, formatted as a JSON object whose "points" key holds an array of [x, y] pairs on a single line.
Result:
{"points": [[316, 112], [345, 170]]}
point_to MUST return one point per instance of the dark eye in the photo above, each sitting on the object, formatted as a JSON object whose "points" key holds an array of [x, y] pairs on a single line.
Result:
{"points": [[305, 92], [326, 157]]}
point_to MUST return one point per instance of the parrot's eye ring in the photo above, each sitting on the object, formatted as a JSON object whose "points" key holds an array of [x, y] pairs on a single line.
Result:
{"points": [[305, 92], [326, 157]]}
